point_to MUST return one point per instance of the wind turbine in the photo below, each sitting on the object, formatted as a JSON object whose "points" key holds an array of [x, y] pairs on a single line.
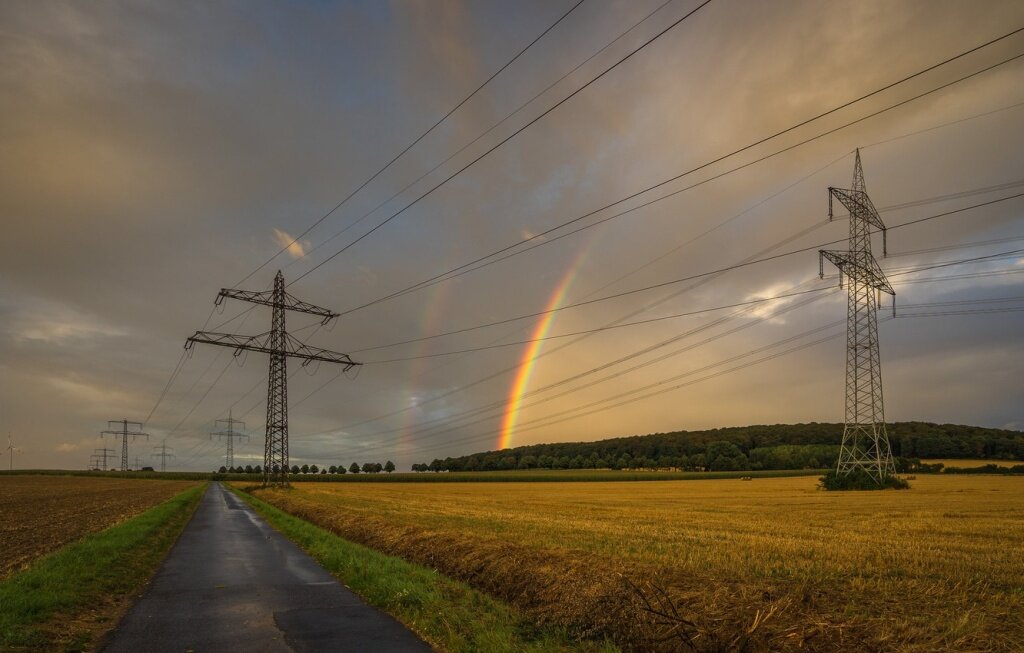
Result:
{"points": [[11, 449]]}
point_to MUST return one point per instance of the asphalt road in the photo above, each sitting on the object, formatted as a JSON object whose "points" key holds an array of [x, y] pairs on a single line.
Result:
{"points": [[232, 583]]}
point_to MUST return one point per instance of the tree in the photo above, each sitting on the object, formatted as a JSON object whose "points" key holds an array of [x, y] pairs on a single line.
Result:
{"points": [[248, 469], [378, 468], [258, 469], [313, 469], [354, 468], [333, 469], [368, 468], [305, 469], [295, 469], [389, 467], [222, 470], [341, 469]]}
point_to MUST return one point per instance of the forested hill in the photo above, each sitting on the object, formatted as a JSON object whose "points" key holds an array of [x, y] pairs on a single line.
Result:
{"points": [[779, 446]]}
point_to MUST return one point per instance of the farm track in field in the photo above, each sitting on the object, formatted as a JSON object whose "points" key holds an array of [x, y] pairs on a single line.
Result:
{"points": [[43, 513]]}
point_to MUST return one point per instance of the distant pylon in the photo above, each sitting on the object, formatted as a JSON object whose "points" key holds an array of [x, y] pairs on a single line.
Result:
{"points": [[123, 433], [229, 433], [163, 455], [865, 442], [101, 457]]}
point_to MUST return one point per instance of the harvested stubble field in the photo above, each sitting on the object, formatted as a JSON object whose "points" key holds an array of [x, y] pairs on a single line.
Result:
{"points": [[769, 564], [40, 514]]}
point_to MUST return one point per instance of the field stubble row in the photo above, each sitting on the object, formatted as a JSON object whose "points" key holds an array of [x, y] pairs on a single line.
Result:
{"points": [[40, 514], [768, 564]]}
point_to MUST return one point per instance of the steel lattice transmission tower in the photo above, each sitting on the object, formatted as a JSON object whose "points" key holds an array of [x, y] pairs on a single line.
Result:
{"points": [[229, 434], [163, 455], [101, 457], [865, 442], [281, 346], [123, 433]]}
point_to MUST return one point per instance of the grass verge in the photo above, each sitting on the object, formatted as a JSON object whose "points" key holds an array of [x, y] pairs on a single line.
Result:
{"points": [[66, 600], [448, 614]]}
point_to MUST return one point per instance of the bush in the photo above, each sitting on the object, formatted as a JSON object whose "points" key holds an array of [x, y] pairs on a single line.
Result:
{"points": [[858, 479]]}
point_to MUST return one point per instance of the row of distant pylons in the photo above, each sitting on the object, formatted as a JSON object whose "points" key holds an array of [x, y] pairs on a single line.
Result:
{"points": [[865, 444]]}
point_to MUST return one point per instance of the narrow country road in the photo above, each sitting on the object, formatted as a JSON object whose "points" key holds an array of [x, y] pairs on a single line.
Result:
{"points": [[232, 583]]}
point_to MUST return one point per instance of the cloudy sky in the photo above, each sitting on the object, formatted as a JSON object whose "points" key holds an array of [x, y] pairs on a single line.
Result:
{"points": [[154, 153]]}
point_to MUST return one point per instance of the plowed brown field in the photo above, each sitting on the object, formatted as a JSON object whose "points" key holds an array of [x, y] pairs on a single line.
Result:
{"points": [[40, 514]]}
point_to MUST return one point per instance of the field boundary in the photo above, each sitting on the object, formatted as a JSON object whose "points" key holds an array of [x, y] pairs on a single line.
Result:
{"points": [[69, 599], [449, 614], [524, 476]]}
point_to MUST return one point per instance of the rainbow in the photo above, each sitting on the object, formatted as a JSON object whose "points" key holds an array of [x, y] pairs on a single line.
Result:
{"points": [[528, 361]]}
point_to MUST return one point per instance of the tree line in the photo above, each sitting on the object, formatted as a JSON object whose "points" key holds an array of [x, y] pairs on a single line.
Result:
{"points": [[764, 447], [354, 468]]}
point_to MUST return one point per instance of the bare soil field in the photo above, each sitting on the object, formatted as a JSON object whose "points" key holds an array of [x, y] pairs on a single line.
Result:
{"points": [[40, 514], [768, 564]]}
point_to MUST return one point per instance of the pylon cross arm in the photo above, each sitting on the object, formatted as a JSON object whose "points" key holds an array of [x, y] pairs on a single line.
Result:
{"points": [[241, 343], [266, 298], [298, 349], [857, 203], [261, 343], [865, 271]]}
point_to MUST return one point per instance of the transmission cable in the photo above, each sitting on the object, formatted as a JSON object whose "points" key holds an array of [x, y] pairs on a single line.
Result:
{"points": [[414, 143], [501, 142], [481, 135], [702, 166]]}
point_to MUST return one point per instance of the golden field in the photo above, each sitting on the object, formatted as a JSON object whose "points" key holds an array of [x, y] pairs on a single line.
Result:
{"points": [[972, 462], [768, 564]]}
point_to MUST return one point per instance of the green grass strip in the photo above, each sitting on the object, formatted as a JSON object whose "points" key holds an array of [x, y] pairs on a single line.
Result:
{"points": [[38, 604], [450, 615]]}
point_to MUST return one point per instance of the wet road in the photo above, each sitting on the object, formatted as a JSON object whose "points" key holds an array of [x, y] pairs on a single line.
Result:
{"points": [[232, 583]]}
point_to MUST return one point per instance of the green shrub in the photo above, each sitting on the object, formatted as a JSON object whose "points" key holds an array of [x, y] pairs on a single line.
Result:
{"points": [[858, 479]]}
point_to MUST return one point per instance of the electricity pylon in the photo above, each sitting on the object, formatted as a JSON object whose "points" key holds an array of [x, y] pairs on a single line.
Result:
{"points": [[101, 455], [865, 442], [163, 455], [123, 433], [280, 345], [229, 433]]}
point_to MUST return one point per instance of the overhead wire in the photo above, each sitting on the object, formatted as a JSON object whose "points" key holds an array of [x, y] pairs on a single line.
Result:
{"points": [[920, 268], [481, 135], [503, 141], [416, 141], [543, 235]]}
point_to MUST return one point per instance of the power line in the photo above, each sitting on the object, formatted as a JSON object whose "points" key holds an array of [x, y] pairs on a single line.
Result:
{"points": [[504, 140], [622, 325], [613, 376], [747, 261], [542, 235], [414, 143], [663, 284], [482, 134]]}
